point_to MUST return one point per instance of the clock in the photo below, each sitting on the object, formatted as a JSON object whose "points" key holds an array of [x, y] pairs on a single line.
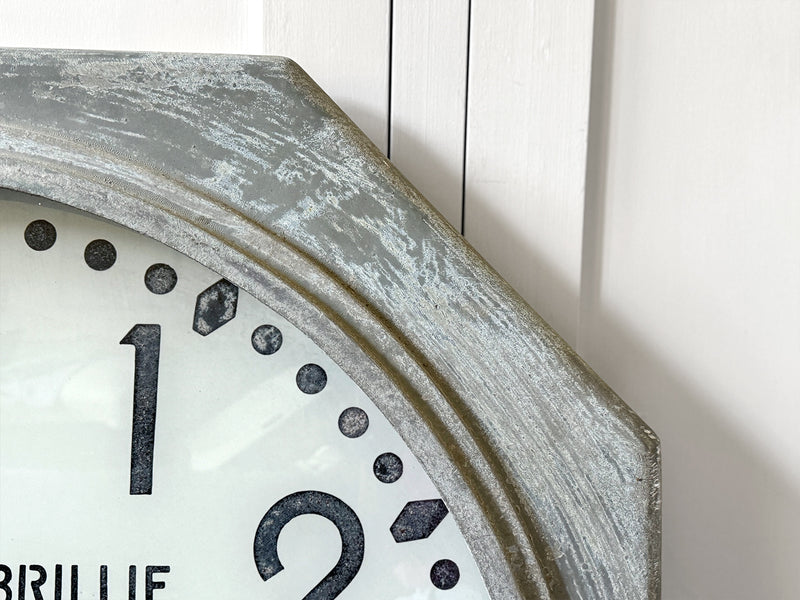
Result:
{"points": [[240, 354], [163, 430]]}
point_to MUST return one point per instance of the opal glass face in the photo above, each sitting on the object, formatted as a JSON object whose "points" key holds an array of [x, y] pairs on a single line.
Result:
{"points": [[165, 435]]}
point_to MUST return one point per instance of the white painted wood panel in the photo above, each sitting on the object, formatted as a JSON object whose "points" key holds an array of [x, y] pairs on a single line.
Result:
{"points": [[429, 77], [526, 147], [692, 300], [344, 46], [230, 26]]}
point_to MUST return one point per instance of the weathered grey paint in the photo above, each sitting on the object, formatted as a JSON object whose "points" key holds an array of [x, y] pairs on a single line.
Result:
{"points": [[244, 164]]}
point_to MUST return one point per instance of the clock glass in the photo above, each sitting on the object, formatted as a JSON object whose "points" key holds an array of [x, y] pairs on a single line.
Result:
{"points": [[165, 435]]}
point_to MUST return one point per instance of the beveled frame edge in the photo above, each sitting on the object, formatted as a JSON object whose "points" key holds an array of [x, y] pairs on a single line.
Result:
{"points": [[423, 404], [357, 357]]}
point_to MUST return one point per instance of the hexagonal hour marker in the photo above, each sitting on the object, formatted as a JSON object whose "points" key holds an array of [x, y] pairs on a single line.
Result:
{"points": [[418, 520], [216, 305]]}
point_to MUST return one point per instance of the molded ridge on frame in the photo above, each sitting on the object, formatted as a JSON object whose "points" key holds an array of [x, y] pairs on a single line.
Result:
{"points": [[245, 165]]}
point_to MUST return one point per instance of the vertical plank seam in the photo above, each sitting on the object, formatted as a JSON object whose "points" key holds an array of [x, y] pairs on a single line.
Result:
{"points": [[466, 122], [389, 82], [596, 166]]}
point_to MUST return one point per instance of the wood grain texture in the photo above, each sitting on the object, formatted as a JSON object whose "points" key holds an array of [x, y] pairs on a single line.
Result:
{"points": [[526, 148], [344, 46], [429, 76], [227, 26]]}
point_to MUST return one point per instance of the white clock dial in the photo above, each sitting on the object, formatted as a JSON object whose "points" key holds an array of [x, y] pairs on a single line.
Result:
{"points": [[164, 435]]}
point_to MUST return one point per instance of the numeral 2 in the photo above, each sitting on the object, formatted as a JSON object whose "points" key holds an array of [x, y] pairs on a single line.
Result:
{"points": [[146, 339], [311, 502]]}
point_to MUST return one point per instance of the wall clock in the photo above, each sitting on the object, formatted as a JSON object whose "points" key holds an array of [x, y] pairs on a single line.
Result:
{"points": [[241, 355]]}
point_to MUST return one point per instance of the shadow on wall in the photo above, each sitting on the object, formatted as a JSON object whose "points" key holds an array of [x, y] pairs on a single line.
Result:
{"points": [[726, 512], [557, 290], [541, 282], [729, 517], [418, 160], [731, 522]]}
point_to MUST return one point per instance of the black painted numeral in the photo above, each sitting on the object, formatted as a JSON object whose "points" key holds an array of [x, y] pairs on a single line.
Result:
{"points": [[146, 339], [265, 546]]}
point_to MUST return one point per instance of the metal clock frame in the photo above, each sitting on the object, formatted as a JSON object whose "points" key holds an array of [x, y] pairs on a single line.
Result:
{"points": [[245, 165]]}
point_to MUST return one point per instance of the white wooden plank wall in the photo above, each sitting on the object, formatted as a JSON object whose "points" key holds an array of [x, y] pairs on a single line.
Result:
{"points": [[691, 303], [676, 273], [526, 148], [229, 26], [428, 102], [399, 68], [344, 46]]}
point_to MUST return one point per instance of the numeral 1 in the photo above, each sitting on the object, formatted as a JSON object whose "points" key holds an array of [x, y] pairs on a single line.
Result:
{"points": [[146, 339]]}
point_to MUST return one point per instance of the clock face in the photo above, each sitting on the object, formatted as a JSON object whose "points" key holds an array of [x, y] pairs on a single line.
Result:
{"points": [[165, 435]]}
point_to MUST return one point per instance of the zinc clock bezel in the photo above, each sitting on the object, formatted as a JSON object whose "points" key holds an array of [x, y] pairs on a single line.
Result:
{"points": [[245, 165]]}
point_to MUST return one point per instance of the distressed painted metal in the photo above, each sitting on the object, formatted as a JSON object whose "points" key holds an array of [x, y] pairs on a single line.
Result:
{"points": [[245, 165]]}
